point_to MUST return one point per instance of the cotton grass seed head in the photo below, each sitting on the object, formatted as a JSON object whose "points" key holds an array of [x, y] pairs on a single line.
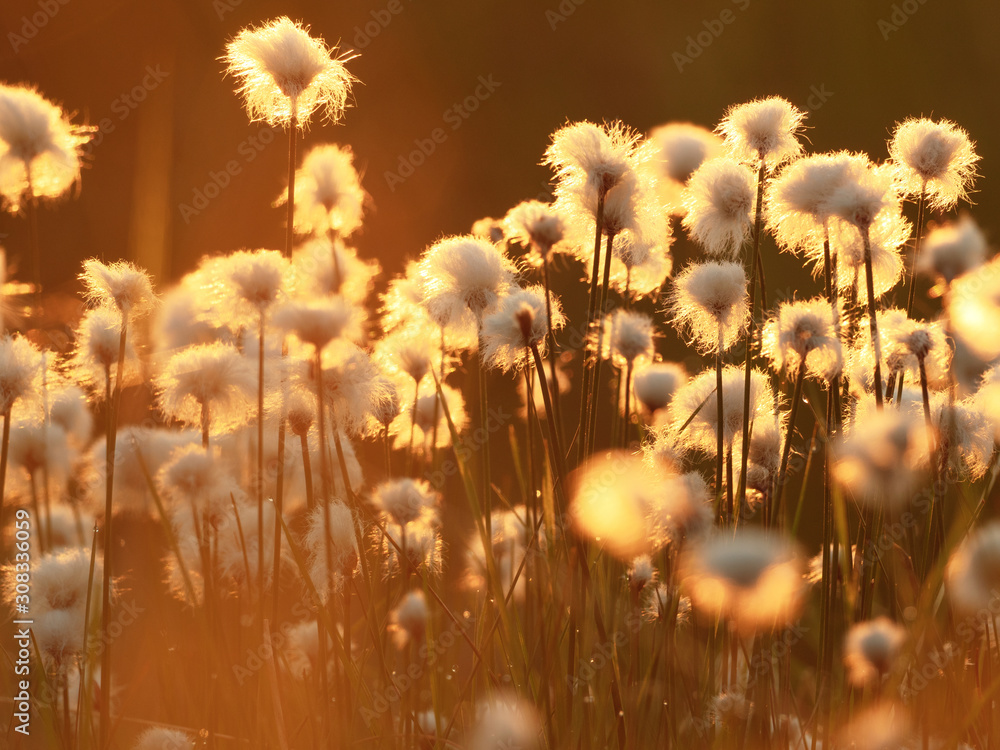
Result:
{"points": [[535, 225], [678, 149], [887, 235], [404, 499], [328, 193], [285, 75], [763, 130], [463, 273], [973, 572], [804, 334], [39, 147], [120, 284], [952, 250], [631, 337], [974, 310], [252, 281], [20, 371], [934, 158], [719, 206], [797, 200], [597, 157], [699, 396], [214, 375], [753, 580], [161, 738], [408, 621], [518, 323], [867, 191], [871, 650], [709, 303], [318, 322], [654, 384]]}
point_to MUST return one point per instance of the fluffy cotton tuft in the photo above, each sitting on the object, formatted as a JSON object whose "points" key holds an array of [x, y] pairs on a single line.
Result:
{"points": [[285, 75], [535, 225], [319, 321], [952, 250], [763, 130], [753, 579], [720, 205], [408, 621], [596, 156], [161, 738], [934, 158], [328, 193], [214, 375], [804, 333], [655, 384], [709, 302], [463, 273], [678, 149], [39, 148], [630, 336], [404, 499], [973, 572], [518, 323], [871, 649], [119, 284], [20, 371]]}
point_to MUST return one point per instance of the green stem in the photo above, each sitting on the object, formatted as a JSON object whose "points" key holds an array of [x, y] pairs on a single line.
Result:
{"points": [[582, 436], [872, 320], [921, 202]]}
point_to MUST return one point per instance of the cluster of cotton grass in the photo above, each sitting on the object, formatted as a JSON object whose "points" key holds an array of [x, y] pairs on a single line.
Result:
{"points": [[627, 563]]}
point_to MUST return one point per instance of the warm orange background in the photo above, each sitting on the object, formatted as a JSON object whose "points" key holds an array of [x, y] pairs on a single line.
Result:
{"points": [[602, 60]]}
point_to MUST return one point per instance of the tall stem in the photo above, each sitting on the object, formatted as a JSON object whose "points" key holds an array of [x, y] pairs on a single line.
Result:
{"points": [[872, 320], [553, 354], [755, 278], [555, 447], [776, 512], [31, 206], [921, 202], [290, 202], [111, 437], [582, 436], [595, 389], [719, 417], [487, 486], [627, 420]]}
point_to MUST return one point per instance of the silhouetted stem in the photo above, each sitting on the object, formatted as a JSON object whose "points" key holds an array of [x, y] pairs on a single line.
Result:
{"points": [[872, 320]]}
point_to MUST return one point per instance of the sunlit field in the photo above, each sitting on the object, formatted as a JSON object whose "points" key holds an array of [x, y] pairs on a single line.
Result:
{"points": [[305, 497]]}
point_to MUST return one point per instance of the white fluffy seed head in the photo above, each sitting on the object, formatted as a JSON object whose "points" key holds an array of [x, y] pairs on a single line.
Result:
{"points": [[934, 158], [753, 580], [214, 375], [596, 155], [161, 738], [536, 225], [678, 149], [462, 274], [404, 500], [631, 337], [763, 130], [866, 192], [951, 250], [342, 542], [518, 322], [120, 284], [871, 649], [328, 193], [974, 310], [319, 321], [804, 334], [285, 75], [408, 620], [654, 384], [39, 148], [20, 371], [797, 201], [719, 206], [709, 302], [973, 572]]}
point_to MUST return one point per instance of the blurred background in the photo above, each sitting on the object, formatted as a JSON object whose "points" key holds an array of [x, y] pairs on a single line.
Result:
{"points": [[156, 188]]}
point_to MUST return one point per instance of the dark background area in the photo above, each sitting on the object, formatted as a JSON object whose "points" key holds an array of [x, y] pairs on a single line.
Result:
{"points": [[553, 61]]}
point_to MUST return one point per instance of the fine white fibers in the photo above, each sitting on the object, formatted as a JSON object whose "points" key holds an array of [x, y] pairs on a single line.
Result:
{"points": [[797, 200], [804, 333], [319, 321], [161, 738], [536, 225], [39, 148], [213, 381], [936, 159], [404, 499], [285, 75], [339, 539], [518, 323], [598, 156], [866, 192], [871, 649], [631, 335], [20, 371], [119, 284], [763, 130], [677, 150], [328, 193], [720, 204], [408, 621], [709, 302], [463, 273]]}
